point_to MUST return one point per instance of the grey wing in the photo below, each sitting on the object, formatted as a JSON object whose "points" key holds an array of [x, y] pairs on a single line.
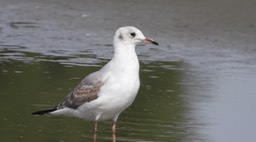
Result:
{"points": [[86, 91]]}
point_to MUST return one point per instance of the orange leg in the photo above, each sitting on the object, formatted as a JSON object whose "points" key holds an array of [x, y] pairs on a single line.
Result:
{"points": [[95, 131], [114, 131]]}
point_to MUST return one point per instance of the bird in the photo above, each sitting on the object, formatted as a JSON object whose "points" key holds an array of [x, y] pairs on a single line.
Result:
{"points": [[104, 94]]}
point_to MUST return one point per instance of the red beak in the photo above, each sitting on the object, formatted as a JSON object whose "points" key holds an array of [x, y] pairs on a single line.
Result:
{"points": [[150, 40]]}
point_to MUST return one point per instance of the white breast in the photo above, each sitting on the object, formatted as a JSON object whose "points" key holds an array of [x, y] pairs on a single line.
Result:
{"points": [[119, 89]]}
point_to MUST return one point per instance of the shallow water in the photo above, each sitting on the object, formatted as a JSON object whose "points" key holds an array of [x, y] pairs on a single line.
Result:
{"points": [[198, 85]]}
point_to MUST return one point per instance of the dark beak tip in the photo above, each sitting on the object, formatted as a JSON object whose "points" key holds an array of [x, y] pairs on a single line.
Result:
{"points": [[149, 40], [155, 43]]}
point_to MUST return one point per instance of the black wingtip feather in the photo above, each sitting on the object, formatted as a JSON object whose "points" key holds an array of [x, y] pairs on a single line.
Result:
{"points": [[42, 112]]}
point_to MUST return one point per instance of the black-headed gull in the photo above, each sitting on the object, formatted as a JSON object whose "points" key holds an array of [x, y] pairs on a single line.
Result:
{"points": [[104, 94]]}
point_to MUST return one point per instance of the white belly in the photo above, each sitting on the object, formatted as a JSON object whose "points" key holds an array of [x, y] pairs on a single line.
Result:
{"points": [[114, 97]]}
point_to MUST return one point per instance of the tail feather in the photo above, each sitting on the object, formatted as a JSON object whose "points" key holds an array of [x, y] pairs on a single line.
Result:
{"points": [[43, 112]]}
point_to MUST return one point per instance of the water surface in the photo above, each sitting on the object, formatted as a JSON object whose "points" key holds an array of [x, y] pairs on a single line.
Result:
{"points": [[198, 85]]}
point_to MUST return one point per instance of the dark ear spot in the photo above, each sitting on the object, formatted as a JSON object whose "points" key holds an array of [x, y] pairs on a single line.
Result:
{"points": [[120, 37]]}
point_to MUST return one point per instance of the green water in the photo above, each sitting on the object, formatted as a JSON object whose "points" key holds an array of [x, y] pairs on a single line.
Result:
{"points": [[158, 113], [197, 86]]}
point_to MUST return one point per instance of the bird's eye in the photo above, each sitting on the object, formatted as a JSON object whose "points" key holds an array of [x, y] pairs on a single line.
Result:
{"points": [[133, 34]]}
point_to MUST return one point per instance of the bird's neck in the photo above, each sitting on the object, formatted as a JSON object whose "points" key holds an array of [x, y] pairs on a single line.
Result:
{"points": [[125, 57], [124, 52]]}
